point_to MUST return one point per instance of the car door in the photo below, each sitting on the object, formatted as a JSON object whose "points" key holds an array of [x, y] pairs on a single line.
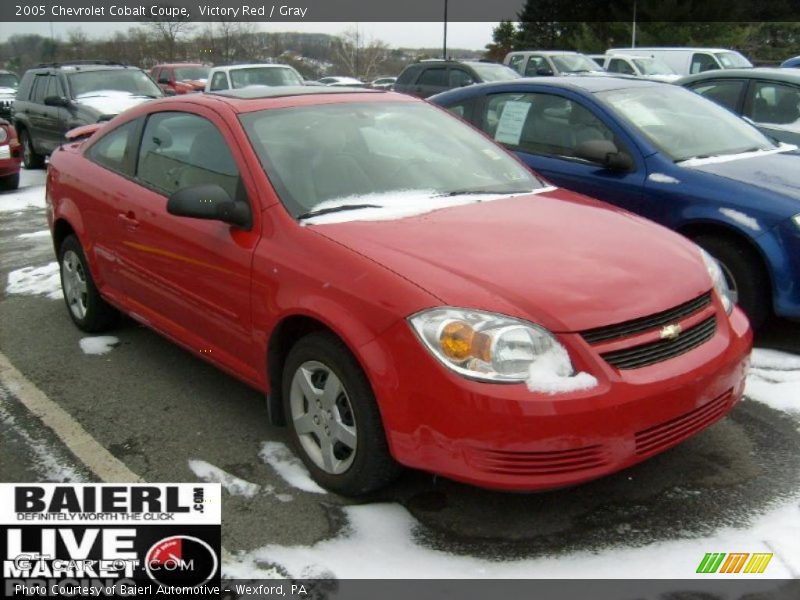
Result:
{"points": [[545, 130], [34, 110], [774, 107], [55, 122], [190, 278]]}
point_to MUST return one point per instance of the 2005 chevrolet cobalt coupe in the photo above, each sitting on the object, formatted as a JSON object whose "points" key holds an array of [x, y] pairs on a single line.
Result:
{"points": [[404, 290]]}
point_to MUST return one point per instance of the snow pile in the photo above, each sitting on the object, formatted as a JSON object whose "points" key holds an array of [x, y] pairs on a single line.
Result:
{"points": [[399, 205], [100, 344], [36, 281], [44, 233], [775, 379], [289, 467], [211, 474], [551, 373], [29, 197]]}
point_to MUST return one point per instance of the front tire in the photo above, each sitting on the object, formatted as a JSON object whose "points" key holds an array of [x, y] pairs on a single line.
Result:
{"points": [[30, 158], [86, 307], [745, 273], [333, 417]]}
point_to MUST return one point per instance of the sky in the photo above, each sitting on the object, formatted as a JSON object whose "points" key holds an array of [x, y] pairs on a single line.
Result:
{"points": [[473, 36]]}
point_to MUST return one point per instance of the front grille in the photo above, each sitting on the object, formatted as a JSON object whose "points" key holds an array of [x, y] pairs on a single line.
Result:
{"points": [[554, 462], [661, 437], [653, 352], [620, 330]]}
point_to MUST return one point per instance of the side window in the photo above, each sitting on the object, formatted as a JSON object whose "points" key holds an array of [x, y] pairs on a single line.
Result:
{"points": [[460, 78], [434, 77], [39, 90], [219, 81], [182, 150], [620, 65], [703, 62], [463, 109], [722, 91], [516, 62], [535, 63], [114, 149], [542, 124], [774, 103]]}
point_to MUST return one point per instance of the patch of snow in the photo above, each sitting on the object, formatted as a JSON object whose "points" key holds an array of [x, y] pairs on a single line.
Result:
{"points": [[713, 160], [236, 487], [23, 198], [400, 205], [662, 178], [44, 233], [36, 281], [762, 358], [551, 373], [774, 380], [101, 344], [741, 218], [289, 467]]}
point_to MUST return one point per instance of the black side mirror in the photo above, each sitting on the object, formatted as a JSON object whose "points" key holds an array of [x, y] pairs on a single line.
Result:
{"points": [[605, 153], [169, 92], [209, 201], [56, 101], [544, 72]]}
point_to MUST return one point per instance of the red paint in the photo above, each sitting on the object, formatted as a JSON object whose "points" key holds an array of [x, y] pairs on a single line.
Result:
{"points": [[558, 259], [10, 165], [179, 87]]}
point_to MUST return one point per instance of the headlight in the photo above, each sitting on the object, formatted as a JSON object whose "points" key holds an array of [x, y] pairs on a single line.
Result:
{"points": [[796, 220], [3, 135], [492, 347], [721, 286]]}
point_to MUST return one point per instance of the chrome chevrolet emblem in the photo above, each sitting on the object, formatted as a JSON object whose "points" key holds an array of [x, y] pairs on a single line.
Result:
{"points": [[671, 332]]}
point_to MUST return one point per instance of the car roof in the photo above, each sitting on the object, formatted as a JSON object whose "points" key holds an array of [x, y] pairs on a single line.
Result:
{"points": [[546, 52], [671, 49], [251, 65], [774, 73]]}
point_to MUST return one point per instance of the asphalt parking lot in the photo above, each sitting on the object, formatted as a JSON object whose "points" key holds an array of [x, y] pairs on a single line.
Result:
{"points": [[156, 408]]}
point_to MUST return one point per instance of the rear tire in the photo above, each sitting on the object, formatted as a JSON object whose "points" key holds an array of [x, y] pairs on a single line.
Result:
{"points": [[745, 273], [9, 182], [86, 307], [30, 158], [333, 417]]}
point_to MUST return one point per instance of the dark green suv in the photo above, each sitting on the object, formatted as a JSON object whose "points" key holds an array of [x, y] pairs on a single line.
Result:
{"points": [[429, 77]]}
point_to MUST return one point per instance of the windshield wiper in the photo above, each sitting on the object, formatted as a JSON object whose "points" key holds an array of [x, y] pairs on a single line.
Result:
{"points": [[333, 209], [478, 192]]}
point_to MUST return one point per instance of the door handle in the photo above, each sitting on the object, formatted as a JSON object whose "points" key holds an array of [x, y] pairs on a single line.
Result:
{"points": [[129, 219]]}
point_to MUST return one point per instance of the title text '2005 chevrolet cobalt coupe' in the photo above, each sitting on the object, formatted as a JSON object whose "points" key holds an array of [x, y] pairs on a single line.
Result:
{"points": [[403, 289]]}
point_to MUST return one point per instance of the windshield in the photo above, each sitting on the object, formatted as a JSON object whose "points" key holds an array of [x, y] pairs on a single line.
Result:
{"points": [[489, 72], [652, 66], [264, 76], [575, 63], [132, 81], [8, 80], [683, 124], [732, 60], [191, 73], [364, 151]]}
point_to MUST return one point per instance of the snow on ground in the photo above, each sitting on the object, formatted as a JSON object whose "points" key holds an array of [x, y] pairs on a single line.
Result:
{"points": [[27, 197], [44, 233], [775, 380], [236, 487], [36, 281], [289, 467], [101, 344]]}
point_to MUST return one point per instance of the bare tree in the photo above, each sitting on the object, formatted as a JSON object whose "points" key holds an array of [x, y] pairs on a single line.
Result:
{"points": [[359, 56], [169, 35]]}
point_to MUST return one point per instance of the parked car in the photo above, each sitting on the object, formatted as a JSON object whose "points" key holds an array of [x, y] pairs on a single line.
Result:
{"points": [[646, 67], [687, 61], [234, 77], [546, 63], [791, 63], [9, 82], [10, 157], [429, 77], [294, 237], [336, 81], [665, 153], [54, 98], [181, 78], [382, 83], [769, 98]]}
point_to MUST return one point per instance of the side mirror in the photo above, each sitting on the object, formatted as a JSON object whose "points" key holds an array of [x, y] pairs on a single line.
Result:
{"points": [[169, 92], [604, 153], [56, 101], [209, 201], [544, 72]]}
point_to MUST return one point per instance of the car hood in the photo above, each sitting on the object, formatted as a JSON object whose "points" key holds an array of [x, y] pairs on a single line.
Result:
{"points": [[557, 258], [667, 78], [778, 173], [111, 102], [7, 91]]}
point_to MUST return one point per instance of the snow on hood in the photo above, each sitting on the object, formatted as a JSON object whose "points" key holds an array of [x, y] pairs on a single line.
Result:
{"points": [[8, 91], [713, 160], [110, 102], [558, 258]]}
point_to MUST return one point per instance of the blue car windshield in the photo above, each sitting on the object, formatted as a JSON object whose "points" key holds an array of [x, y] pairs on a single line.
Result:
{"points": [[683, 124]]}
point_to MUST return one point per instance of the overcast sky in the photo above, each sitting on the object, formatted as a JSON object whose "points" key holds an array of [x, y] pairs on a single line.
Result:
{"points": [[459, 35]]}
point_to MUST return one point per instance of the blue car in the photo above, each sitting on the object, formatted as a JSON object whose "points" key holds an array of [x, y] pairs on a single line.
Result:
{"points": [[665, 153], [791, 62]]}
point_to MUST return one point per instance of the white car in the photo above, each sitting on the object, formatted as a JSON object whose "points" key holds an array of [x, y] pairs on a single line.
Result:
{"points": [[646, 67], [240, 76], [687, 61]]}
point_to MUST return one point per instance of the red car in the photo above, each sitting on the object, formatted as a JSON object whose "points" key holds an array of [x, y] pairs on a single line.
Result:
{"points": [[10, 156], [180, 78], [404, 290]]}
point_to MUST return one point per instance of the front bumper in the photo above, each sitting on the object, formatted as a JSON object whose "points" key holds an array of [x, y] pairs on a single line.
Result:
{"points": [[503, 436]]}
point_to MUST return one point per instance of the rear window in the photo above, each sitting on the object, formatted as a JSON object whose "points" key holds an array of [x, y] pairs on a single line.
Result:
{"points": [[407, 76]]}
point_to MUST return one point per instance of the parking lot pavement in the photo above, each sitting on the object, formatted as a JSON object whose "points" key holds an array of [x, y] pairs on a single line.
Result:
{"points": [[169, 416]]}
